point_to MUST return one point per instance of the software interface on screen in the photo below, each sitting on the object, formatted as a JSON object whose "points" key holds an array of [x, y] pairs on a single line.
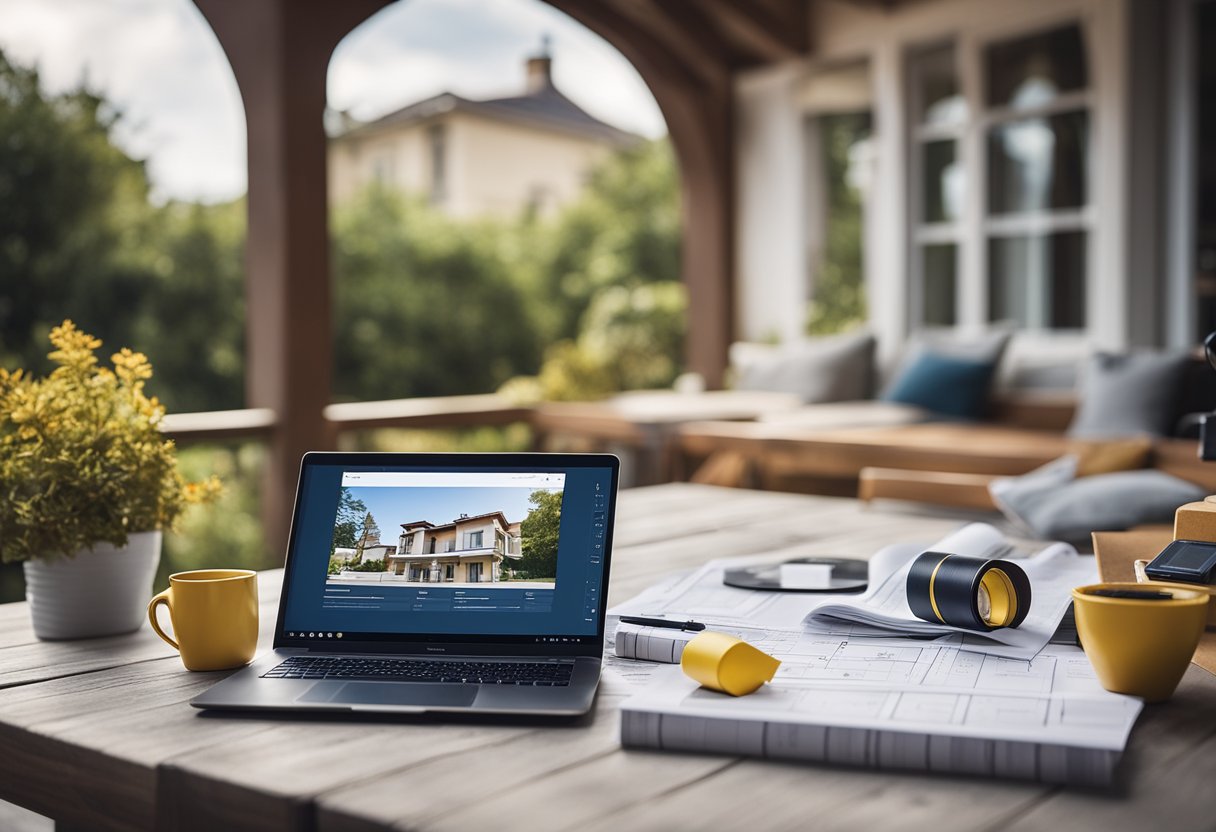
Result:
{"points": [[448, 552]]}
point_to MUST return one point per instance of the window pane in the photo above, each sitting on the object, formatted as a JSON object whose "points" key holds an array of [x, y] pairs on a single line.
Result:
{"points": [[937, 94], [943, 178], [1030, 71], [1038, 281], [939, 264], [1038, 164]]}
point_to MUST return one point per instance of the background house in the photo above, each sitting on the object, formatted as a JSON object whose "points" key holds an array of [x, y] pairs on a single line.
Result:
{"points": [[528, 152]]}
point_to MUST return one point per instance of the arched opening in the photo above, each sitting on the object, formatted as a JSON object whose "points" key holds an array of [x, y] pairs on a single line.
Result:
{"points": [[503, 204]]}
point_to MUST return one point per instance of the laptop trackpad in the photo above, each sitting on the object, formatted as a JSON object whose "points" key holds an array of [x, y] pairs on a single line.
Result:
{"points": [[391, 693]]}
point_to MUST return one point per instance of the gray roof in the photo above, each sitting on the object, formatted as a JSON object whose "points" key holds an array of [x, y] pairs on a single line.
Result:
{"points": [[546, 108]]}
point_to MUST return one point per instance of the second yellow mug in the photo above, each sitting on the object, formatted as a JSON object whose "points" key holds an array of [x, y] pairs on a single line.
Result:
{"points": [[1137, 646], [215, 617]]}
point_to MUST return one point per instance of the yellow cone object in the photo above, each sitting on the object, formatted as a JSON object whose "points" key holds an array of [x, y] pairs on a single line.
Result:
{"points": [[726, 663]]}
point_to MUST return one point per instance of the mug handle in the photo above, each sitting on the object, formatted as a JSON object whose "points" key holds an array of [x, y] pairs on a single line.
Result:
{"points": [[161, 598]]}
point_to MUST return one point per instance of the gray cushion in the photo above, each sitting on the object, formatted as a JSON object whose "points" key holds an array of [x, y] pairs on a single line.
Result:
{"points": [[1049, 503], [1126, 395], [833, 368]]}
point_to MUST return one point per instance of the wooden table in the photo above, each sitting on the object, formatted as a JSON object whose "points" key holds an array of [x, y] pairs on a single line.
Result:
{"points": [[98, 733], [644, 424]]}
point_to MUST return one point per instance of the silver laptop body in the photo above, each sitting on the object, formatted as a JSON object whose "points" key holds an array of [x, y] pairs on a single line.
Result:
{"points": [[430, 613]]}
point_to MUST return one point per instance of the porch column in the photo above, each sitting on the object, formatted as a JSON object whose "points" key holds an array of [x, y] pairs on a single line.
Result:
{"points": [[279, 51]]}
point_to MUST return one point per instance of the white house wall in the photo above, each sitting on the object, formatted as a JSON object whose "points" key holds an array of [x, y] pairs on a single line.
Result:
{"points": [[496, 167], [772, 230], [771, 261]]}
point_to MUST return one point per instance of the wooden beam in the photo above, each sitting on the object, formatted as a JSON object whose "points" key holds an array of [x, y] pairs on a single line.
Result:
{"points": [[279, 51], [436, 412], [766, 35], [219, 424], [704, 56]]}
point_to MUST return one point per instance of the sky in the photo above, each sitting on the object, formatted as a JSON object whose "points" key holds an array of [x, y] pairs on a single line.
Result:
{"points": [[393, 506], [160, 63]]}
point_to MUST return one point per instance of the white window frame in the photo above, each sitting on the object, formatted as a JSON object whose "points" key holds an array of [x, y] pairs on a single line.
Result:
{"points": [[920, 232], [974, 229]]}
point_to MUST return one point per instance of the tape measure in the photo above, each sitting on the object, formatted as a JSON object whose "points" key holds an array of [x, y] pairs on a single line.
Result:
{"points": [[971, 593]]}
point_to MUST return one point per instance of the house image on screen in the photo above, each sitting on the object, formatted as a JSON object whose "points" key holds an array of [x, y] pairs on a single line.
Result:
{"points": [[467, 550]]}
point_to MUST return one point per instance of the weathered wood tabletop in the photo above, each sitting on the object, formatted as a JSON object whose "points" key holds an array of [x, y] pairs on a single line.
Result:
{"points": [[98, 734]]}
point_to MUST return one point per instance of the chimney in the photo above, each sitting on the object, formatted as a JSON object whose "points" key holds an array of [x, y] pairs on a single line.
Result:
{"points": [[540, 69]]}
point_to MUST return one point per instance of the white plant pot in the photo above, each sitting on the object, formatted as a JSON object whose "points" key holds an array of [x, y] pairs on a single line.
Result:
{"points": [[100, 592]]}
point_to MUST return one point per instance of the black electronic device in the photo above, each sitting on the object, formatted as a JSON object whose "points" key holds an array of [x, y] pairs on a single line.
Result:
{"points": [[1188, 561]]}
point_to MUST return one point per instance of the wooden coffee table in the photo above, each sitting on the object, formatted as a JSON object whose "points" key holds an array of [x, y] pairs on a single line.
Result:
{"points": [[98, 734]]}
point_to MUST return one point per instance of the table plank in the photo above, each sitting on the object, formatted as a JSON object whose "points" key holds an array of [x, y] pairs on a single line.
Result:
{"points": [[780, 796]]}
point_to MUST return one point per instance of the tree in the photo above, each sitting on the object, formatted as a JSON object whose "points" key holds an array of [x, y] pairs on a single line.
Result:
{"points": [[346, 521], [612, 307], [424, 305], [192, 320], [623, 231], [631, 339], [69, 200], [539, 535], [368, 535], [79, 239]]}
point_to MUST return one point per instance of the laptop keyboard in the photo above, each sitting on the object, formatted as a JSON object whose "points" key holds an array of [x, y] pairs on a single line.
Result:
{"points": [[541, 674]]}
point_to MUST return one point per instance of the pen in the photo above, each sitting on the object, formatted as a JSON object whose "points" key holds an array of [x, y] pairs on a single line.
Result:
{"points": [[662, 622]]}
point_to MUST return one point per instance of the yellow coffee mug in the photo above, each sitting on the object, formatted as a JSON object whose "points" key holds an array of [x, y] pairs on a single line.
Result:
{"points": [[1140, 646], [215, 617]]}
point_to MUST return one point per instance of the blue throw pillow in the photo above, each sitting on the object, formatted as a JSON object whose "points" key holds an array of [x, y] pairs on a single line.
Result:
{"points": [[944, 384]]}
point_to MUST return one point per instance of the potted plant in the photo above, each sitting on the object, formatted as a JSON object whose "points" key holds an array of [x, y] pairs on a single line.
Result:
{"points": [[88, 484]]}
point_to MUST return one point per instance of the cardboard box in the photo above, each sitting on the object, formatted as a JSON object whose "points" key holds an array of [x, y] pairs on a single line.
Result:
{"points": [[1196, 521]]}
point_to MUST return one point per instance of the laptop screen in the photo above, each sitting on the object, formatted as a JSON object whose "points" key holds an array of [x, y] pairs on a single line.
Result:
{"points": [[475, 548]]}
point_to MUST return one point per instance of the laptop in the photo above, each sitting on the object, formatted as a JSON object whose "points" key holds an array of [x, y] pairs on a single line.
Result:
{"points": [[419, 583]]}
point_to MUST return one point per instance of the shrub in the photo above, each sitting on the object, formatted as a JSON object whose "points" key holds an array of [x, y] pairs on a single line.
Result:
{"points": [[82, 457]]}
